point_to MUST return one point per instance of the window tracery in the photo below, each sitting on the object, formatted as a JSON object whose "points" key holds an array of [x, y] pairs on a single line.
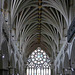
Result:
{"points": [[38, 61]]}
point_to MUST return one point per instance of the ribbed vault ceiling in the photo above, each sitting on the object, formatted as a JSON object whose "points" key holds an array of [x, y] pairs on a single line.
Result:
{"points": [[40, 23]]}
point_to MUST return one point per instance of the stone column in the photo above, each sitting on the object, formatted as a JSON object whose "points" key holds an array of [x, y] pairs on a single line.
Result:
{"points": [[52, 68], [63, 71], [73, 72], [15, 73], [9, 25], [25, 70], [67, 72], [1, 21]]}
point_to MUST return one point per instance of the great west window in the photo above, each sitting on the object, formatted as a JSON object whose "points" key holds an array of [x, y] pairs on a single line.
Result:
{"points": [[38, 63]]}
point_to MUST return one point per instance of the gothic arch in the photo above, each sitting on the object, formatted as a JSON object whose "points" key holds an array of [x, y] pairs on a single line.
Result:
{"points": [[38, 61]]}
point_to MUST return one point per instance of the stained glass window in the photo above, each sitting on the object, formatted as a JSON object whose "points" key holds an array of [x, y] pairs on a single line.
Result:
{"points": [[38, 63]]}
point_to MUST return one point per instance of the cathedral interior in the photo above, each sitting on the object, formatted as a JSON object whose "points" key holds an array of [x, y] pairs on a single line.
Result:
{"points": [[37, 37]]}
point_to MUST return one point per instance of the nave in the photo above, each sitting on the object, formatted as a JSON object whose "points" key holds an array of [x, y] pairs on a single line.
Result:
{"points": [[37, 37]]}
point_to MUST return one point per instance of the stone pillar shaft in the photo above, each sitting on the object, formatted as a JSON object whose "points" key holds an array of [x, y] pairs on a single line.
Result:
{"points": [[73, 72], [1, 21]]}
